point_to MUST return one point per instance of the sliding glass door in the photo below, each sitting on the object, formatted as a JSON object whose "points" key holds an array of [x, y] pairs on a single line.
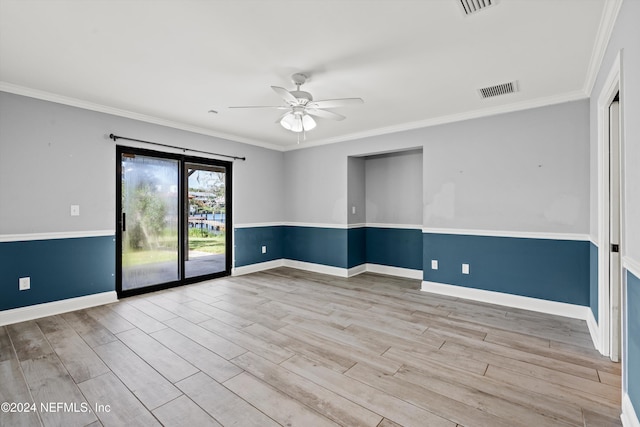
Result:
{"points": [[205, 232], [173, 220]]}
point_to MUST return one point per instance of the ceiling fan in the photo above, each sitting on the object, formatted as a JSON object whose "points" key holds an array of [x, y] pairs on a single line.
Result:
{"points": [[301, 107]]}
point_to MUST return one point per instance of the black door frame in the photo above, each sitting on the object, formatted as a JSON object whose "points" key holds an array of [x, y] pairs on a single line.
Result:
{"points": [[182, 199]]}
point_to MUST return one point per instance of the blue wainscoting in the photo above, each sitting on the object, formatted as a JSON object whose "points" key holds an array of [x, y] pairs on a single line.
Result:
{"points": [[395, 247], [357, 250], [59, 269], [633, 337], [554, 270], [249, 241], [335, 247], [593, 279], [318, 245]]}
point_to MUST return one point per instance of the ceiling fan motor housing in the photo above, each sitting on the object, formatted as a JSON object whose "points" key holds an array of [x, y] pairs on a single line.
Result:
{"points": [[302, 96]]}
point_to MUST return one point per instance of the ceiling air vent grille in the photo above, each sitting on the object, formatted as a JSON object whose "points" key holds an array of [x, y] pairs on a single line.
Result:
{"points": [[497, 90], [472, 6]]}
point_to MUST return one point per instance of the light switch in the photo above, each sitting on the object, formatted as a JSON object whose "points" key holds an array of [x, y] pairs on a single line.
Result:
{"points": [[75, 210]]}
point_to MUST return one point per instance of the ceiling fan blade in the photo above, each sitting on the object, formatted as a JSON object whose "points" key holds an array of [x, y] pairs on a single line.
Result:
{"points": [[285, 94], [279, 107], [332, 103], [324, 114]]}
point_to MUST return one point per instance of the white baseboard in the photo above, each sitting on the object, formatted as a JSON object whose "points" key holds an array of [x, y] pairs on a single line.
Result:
{"points": [[509, 300], [37, 311], [326, 269], [254, 268], [594, 331], [629, 416], [317, 268], [358, 269], [300, 265], [394, 271]]}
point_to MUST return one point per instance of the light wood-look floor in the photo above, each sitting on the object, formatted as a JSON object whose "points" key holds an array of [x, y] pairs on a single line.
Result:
{"points": [[292, 348]]}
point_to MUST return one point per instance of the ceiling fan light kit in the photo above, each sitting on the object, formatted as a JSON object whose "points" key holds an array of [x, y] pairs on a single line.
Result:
{"points": [[297, 122], [302, 107]]}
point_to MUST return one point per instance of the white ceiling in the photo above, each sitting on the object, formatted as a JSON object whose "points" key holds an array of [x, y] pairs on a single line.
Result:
{"points": [[414, 63]]}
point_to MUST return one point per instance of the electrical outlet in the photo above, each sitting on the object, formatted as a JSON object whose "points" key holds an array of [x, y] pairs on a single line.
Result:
{"points": [[353, 210], [75, 210], [24, 283], [465, 268], [264, 249], [434, 264]]}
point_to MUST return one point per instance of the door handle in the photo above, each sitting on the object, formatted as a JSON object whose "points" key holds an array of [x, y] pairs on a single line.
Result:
{"points": [[124, 222]]}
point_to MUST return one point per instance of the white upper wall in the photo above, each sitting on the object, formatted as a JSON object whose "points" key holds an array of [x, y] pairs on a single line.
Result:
{"points": [[53, 156], [356, 192], [523, 171], [526, 171], [394, 188], [315, 185]]}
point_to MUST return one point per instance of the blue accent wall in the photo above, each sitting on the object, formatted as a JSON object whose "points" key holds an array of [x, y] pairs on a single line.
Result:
{"points": [[554, 270], [326, 246], [249, 241], [593, 279], [318, 245], [633, 337], [357, 249], [395, 247], [336, 247], [59, 269]]}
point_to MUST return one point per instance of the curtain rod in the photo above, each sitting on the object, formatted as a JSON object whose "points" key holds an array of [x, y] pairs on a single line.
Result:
{"points": [[116, 137]]}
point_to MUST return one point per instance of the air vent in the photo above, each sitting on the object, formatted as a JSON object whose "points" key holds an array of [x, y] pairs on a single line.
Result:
{"points": [[473, 6], [497, 90]]}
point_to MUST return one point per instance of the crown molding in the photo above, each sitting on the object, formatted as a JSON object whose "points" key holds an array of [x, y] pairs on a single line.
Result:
{"points": [[86, 105], [605, 29], [484, 112]]}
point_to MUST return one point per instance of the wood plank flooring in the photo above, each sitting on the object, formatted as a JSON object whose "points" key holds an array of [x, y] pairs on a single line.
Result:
{"points": [[291, 348]]}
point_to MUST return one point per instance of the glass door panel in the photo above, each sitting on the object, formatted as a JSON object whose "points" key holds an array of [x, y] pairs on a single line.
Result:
{"points": [[205, 230], [150, 221]]}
